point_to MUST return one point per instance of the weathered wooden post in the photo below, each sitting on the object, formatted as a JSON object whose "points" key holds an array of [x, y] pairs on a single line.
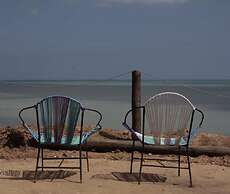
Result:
{"points": [[136, 100]]}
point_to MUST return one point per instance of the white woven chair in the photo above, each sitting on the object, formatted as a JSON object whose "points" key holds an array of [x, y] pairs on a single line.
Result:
{"points": [[170, 118]]}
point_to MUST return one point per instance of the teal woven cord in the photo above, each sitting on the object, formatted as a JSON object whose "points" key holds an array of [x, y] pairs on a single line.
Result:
{"points": [[71, 121]]}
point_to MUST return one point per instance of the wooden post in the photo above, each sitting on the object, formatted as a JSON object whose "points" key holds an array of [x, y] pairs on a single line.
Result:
{"points": [[136, 100]]}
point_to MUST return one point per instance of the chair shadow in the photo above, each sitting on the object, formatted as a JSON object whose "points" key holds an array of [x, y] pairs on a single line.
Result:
{"points": [[127, 177], [41, 175]]}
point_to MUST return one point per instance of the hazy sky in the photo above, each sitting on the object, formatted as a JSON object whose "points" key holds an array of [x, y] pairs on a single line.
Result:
{"points": [[86, 39]]}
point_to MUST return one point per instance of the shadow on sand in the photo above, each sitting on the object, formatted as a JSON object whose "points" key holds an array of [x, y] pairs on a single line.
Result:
{"points": [[41, 175], [127, 177]]}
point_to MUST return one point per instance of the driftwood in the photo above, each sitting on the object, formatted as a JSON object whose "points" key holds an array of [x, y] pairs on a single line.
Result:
{"points": [[114, 145]]}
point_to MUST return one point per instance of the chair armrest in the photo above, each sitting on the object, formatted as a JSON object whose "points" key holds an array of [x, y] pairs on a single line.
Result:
{"points": [[98, 125], [125, 124], [202, 116], [20, 116], [194, 130]]}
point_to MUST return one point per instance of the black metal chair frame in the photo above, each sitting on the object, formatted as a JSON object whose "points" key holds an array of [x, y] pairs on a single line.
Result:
{"points": [[179, 147], [42, 146]]}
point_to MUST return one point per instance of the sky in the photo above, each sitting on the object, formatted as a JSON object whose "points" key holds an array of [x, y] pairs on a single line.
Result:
{"points": [[98, 39]]}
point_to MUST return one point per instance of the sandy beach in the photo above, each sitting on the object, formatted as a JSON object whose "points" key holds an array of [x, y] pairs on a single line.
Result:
{"points": [[111, 176], [109, 171], [91, 90]]}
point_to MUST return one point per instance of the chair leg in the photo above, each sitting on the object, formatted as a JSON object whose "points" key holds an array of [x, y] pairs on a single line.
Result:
{"points": [[87, 160], [36, 168], [141, 163], [189, 168], [80, 161], [132, 154], [42, 160], [179, 149]]}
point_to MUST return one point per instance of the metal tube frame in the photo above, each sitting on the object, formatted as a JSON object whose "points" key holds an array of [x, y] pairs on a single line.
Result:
{"points": [[142, 159], [40, 145]]}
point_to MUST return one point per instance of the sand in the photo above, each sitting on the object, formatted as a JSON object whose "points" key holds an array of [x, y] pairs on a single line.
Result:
{"points": [[108, 171], [106, 176]]}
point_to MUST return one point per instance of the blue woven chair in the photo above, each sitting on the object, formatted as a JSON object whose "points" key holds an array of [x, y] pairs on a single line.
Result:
{"points": [[57, 118], [170, 118]]}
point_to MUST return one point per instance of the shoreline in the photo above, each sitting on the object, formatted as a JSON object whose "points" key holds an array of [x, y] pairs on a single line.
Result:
{"points": [[24, 137], [17, 143]]}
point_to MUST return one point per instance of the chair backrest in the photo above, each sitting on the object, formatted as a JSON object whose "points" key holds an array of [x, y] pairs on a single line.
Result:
{"points": [[169, 115], [57, 119]]}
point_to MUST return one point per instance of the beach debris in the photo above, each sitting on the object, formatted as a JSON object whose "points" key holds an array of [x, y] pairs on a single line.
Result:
{"points": [[14, 138]]}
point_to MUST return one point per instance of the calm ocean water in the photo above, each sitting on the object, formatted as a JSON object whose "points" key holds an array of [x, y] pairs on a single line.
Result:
{"points": [[113, 98]]}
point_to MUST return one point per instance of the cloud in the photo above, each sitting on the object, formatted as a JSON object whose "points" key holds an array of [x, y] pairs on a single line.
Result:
{"points": [[139, 2]]}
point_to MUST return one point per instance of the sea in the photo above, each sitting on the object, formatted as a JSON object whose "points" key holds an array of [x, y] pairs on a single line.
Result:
{"points": [[113, 98]]}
